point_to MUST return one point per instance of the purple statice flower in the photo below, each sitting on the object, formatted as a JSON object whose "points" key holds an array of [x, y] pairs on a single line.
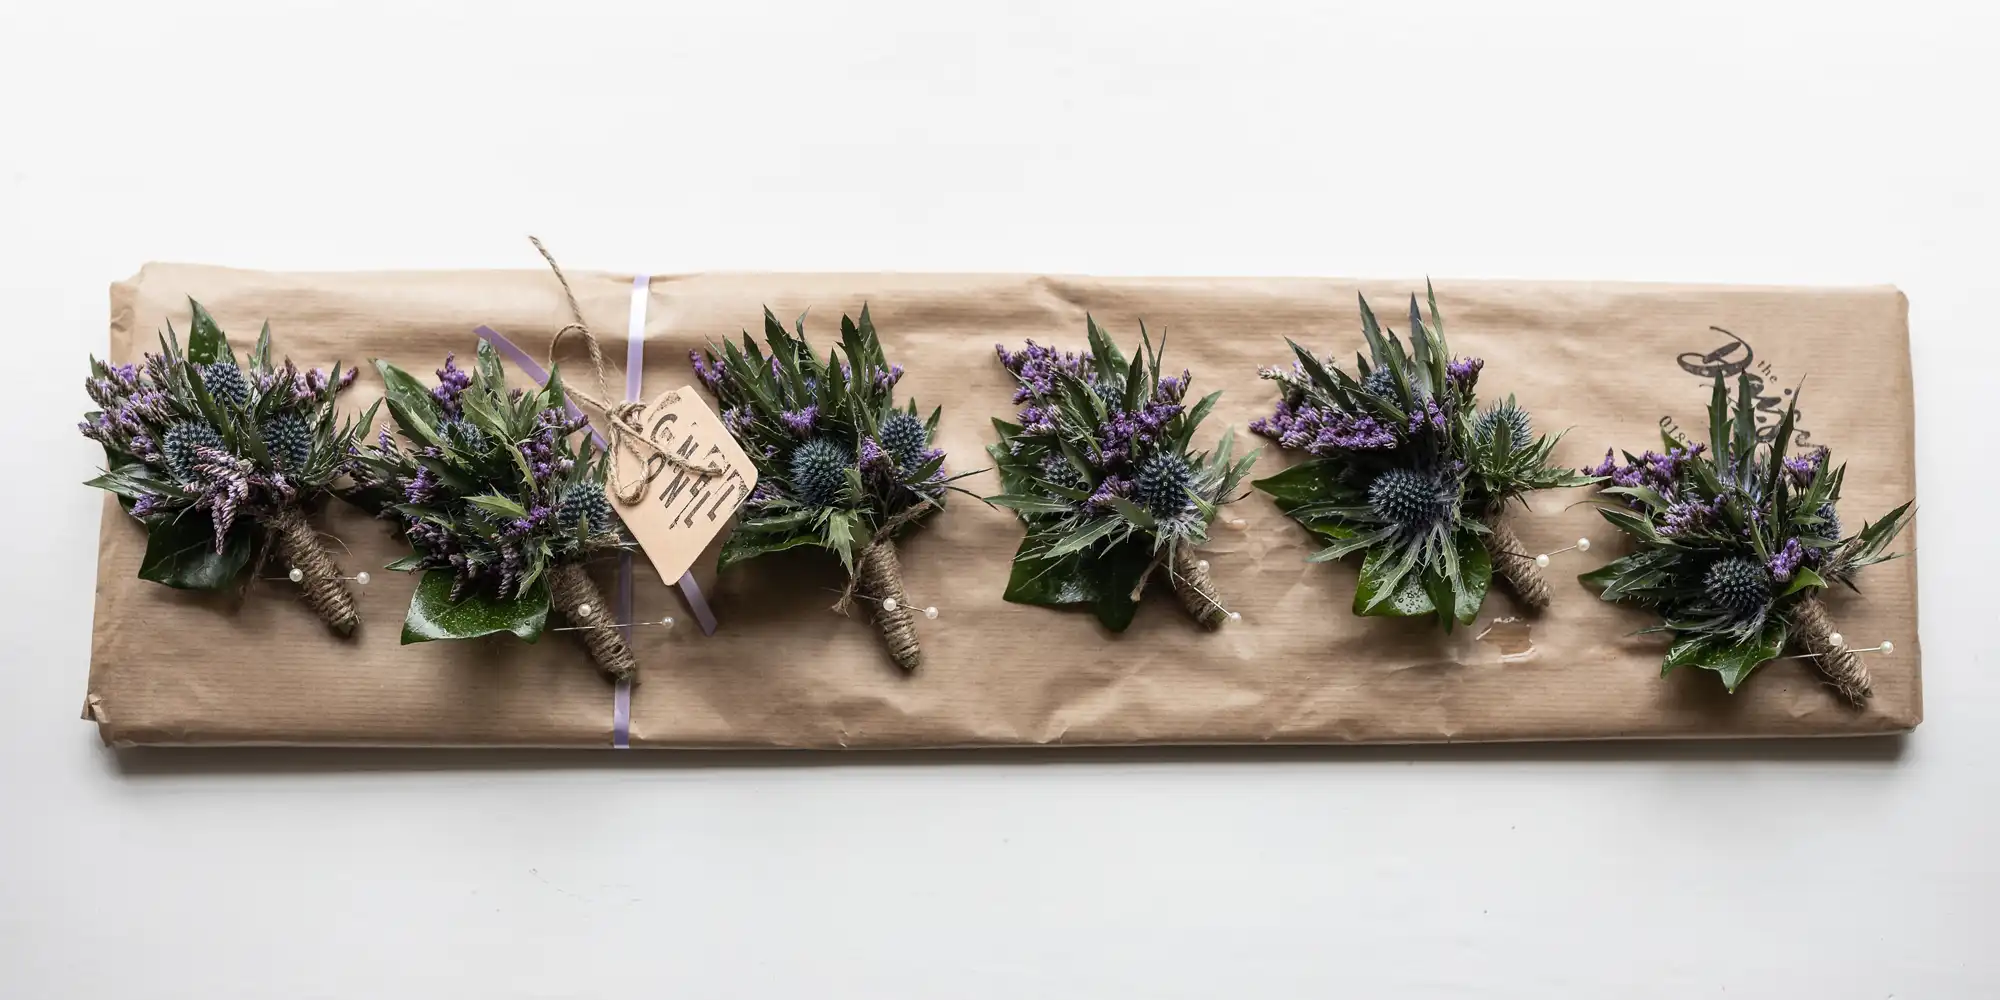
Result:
{"points": [[1803, 468], [1111, 486], [222, 483], [146, 504], [765, 492], [346, 378], [710, 373], [1037, 419], [143, 446], [421, 488], [885, 379], [1323, 431], [875, 459], [1173, 388], [1426, 414], [801, 422], [1786, 561], [452, 382], [1036, 368], [738, 419], [385, 441], [1351, 433], [1686, 516], [1603, 469], [1464, 372]]}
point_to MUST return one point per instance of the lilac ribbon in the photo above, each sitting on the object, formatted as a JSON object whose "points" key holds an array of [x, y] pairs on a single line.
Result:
{"points": [[635, 357]]}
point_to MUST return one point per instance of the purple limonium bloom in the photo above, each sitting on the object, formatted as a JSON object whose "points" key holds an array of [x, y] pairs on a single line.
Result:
{"points": [[887, 378], [801, 422], [1685, 516], [738, 419], [1112, 486], [452, 382], [145, 504], [874, 459], [1036, 367], [1786, 560], [1464, 372], [1427, 414]]}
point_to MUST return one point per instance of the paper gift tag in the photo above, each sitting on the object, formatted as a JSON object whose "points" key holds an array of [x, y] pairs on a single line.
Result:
{"points": [[681, 510]]}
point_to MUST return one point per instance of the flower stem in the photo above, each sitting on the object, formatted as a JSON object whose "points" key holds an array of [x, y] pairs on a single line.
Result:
{"points": [[880, 574], [1514, 564], [1812, 627]]}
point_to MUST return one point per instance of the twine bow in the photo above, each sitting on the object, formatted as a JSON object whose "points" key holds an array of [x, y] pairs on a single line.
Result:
{"points": [[623, 430]]}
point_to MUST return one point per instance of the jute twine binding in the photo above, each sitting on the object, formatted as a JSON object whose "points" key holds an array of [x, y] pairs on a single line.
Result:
{"points": [[878, 573], [1813, 628], [577, 597], [1514, 564], [325, 592], [1196, 591]]}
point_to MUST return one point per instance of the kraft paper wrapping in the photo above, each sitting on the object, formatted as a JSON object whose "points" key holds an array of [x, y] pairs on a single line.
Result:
{"points": [[1606, 361]]}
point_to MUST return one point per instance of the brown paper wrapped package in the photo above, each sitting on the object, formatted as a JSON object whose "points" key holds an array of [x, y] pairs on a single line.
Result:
{"points": [[1606, 361]]}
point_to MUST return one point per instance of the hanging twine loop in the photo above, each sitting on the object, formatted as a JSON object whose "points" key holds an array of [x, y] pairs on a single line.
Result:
{"points": [[623, 430], [1514, 564]]}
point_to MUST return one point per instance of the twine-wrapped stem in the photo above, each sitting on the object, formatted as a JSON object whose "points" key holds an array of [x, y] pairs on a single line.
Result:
{"points": [[1514, 564], [325, 592], [1812, 627], [879, 575], [1196, 591], [575, 595]]}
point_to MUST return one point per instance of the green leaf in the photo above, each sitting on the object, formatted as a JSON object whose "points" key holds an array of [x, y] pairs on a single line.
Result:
{"points": [[1718, 424], [1387, 589], [1354, 543], [1029, 504], [495, 504], [406, 564], [1745, 439], [1733, 661], [412, 405], [1085, 538], [1048, 582], [206, 344], [1117, 572], [1299, 484], [1802, 578], [180, 552], [1133, 512], [1110, 360], [1475, 577], [262, 357], [434, 615], [743, 545]]}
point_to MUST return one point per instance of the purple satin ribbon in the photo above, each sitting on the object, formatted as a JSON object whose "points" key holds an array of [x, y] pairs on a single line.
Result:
{"points": [[635, 357]]}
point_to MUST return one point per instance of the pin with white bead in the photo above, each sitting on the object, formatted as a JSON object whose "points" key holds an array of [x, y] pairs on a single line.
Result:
{"points": [[1234, 616], [297, 575], [584, 609], [1886, 648], [1542, 561], [891, 604]]}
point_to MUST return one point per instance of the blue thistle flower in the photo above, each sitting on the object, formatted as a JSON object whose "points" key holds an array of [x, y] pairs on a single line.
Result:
{"points": [[585, 502], [1830, 527], [288, 437], [226, 383], [1380, 381], [1415, 500], [1163, 483], [1738, 586], [1056, 469], [819, 471], [903, 436], [181, 447], [1505, 418]]}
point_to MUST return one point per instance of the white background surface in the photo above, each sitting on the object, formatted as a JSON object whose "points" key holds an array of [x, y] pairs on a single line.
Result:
{"points": [[1817, 143]]}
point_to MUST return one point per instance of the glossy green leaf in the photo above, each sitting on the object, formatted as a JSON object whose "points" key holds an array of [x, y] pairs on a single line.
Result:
{"points": [[434, 615], [743, 545], [206, 344], [1802, 578], [180, 552], [1387, 592]]}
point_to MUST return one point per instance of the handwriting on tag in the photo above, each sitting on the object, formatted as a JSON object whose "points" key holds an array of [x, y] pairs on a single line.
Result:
{"points": [[681, 510]]}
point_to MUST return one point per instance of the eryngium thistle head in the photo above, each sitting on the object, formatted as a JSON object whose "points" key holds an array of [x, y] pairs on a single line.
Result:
{"points": [[462, 436], [1505, 418], [288, 437], [226, 383], [585, 501], [1056, 469], [1737, 586], [1112, 393], [1415, 500], [1381, 381], [904, 439], [1830, 527], [819, 471], [1163, 483], [181, 446]]}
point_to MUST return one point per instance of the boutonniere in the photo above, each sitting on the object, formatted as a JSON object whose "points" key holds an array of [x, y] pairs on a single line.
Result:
{"points": [[1407, 470], [840, 466], [219, 462], [1735, 540], [501, 499], [1100, 470]]}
